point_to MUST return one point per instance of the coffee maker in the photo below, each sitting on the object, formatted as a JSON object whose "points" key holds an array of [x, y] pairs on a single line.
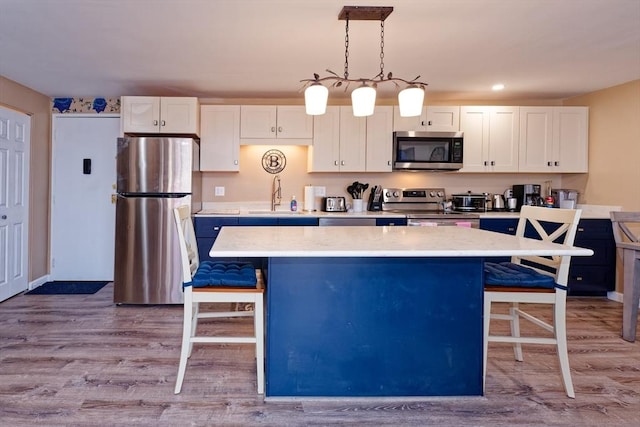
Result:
{"points": [[527, 194]]}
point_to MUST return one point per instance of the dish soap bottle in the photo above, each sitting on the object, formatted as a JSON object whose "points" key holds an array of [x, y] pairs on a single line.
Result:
{"points": [[294, 204]]}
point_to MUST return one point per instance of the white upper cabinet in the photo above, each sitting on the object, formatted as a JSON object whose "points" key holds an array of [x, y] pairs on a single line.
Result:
{"points": [[491, 136], [554, 139], [433, 118], [220, 138], [261, 124], [161, 115], [380, 140], [339, 142]]}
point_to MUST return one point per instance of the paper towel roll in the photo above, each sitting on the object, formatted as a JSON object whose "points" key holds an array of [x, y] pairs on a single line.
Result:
{"points": [[309, 198]]}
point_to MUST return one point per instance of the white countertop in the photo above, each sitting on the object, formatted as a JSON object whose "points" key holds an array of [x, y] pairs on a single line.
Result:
{"points": [[365, 241], [588, 212]]}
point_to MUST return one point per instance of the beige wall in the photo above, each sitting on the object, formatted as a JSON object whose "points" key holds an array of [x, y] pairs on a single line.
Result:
{"points": [[23, 99], [614, 147]]}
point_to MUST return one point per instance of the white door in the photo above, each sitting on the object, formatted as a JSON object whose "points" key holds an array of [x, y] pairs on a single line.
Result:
{"points": [[82, 211], [15, 131]]}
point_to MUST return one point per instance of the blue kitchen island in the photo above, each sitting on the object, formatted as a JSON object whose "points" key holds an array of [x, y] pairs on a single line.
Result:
{"points": [[374, 311]]}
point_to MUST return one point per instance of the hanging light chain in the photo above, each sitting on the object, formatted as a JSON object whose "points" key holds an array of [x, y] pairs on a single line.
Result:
{"points": [[337, 80], [382, 49], [346, 48]]}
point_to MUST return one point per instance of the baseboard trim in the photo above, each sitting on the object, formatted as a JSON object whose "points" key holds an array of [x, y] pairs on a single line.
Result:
{"points": [[39, 281], [617, 296]]}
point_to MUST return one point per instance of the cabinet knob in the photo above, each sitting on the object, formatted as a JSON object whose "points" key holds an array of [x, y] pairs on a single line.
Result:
{"points": [[486, 163], [388, 162], [580, 229], [335, 163], [493, 163], [155, 123], [273, 129], [342, 163], [556, 163], [216, 228], [235, 162], [163, 123], [579, 278], [549, 164], [4, 217], [511, 229], [279, 128]]}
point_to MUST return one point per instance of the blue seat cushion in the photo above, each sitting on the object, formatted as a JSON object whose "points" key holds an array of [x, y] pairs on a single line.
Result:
{"points": [[516, 275], [224, 273]]}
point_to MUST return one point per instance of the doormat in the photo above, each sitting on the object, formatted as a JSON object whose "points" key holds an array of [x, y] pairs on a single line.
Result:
{"points": [[67, 288]]}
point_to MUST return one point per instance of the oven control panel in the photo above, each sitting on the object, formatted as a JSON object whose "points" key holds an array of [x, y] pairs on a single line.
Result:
{"points": [[413, 195]]}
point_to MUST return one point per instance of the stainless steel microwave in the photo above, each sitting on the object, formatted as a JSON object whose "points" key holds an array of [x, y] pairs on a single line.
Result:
{"points": [[427, 150]]}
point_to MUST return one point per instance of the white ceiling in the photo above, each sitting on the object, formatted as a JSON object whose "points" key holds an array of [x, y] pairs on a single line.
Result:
{"points": [[540, 49]]}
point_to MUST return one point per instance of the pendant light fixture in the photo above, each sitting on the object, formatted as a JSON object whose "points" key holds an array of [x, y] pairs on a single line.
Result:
{"points": [[363, 98]]}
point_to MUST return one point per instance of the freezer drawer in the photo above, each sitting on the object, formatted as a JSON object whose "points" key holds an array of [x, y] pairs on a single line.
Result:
{"points": [[147, 255]]}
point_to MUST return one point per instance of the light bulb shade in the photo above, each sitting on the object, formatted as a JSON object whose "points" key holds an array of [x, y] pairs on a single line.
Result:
{"points": [[363, 101], [315, 99], [410, 101]]}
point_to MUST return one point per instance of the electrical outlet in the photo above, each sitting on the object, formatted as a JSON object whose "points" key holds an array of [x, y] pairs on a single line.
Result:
{"points": [[219, 191]]}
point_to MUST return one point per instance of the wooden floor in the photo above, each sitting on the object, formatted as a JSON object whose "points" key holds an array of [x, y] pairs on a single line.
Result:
{"points": [[76, 360]]}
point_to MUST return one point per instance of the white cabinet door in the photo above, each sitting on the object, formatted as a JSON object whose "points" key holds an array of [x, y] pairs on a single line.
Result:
{"points": [[220, 138], [353, 141], [151, 114], [140, 114], [504, 126], [379, 140], [258, 121], [180, 115], [324, 154], [433, 119], [536, 139], [294, 122], [571, 138], [474, 122], [260, 124], [442, 119], [408, 123], [491, 137], [553, 139]]}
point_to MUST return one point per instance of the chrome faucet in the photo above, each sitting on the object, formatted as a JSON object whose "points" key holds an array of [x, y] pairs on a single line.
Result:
{"points": [[276, 193]]}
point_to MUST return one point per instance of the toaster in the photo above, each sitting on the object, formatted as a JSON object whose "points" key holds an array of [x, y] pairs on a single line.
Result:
{"points": [[334, 204]]}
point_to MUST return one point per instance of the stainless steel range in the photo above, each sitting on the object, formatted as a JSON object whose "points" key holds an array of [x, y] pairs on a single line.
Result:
{"points": [[425, 207]]}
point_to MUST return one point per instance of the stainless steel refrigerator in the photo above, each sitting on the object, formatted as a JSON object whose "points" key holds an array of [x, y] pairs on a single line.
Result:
{"points": [[155, 175]]}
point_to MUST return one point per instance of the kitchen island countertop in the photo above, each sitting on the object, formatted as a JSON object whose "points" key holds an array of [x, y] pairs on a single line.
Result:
{"points": [[371, 241], [345, 305]]}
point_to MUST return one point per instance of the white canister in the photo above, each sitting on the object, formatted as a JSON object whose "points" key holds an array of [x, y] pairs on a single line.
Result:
{"points": [[358, 205]]}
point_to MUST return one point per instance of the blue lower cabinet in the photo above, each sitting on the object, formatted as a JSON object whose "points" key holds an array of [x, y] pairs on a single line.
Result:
{"points": [[499, 225], [206, 230], [588, 276], [391, 221], [309, 221]]}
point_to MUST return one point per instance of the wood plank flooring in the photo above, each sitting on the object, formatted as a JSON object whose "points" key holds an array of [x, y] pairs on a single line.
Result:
{"points": [[79, 360]]}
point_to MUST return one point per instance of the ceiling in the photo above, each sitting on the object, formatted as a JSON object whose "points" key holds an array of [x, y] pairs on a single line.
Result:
{"points": [[540, 49]]}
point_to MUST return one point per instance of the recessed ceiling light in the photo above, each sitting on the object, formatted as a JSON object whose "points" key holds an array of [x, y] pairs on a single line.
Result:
{"points": [[497, 86]]}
